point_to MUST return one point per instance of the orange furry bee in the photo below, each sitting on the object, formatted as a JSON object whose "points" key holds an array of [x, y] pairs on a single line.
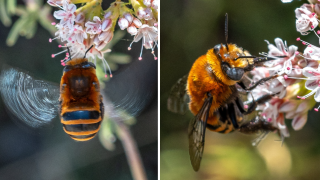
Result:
{"points": [[37, 102], [212, 88]]}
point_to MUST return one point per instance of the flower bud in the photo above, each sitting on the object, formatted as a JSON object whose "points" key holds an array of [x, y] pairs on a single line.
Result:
{"points": [[107, 15], [106, 24], [123, 23], [132, 30], [137, 22], [128, 17]]}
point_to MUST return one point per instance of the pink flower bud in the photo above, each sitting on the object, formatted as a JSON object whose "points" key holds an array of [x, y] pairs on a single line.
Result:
{"points": [[100, 46], [80, 18], [132, 30], [107, 15], [106, 36], [106, 24], [137, 22], [96, 40], [128, 17], [123, 23]]}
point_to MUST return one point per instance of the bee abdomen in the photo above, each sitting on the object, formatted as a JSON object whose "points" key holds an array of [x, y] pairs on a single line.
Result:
{"points": [[81, 125], [221, 128]]}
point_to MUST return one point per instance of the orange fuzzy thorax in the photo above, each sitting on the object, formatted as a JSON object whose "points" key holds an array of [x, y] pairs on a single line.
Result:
{"points": [[76, 61], [206, 75]]}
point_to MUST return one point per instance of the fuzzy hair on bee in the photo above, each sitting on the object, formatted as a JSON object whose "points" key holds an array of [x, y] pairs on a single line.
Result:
{"points": [[213, 86], [81, 107]]}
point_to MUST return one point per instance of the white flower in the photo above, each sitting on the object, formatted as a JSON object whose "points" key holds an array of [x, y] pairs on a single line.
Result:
{"points": [[77, 35], [313, 82], [93, 27], [66, 15], [281, 65], [62, 32], [306, 20], [155, 4], [149, 34], [312, 52]]}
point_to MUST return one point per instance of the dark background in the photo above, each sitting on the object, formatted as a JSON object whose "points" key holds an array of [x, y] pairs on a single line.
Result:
{"points": [[27, 153], [188, 29]]}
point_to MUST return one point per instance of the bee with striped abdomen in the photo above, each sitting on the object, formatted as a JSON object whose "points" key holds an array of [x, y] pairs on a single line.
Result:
{"points": [[212, 89], [37, 102]]}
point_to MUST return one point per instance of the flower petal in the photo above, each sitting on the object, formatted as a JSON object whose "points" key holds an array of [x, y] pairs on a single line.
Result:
{"points": [[299, 121]]}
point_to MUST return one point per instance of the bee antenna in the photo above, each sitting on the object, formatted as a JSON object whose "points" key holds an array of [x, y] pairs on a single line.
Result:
{"points": [[69, 53], [226, 30], [87, 51]]}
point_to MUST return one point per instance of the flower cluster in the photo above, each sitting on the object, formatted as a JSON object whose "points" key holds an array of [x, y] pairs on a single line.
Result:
{"points": [[296, 83], [90, 28]]}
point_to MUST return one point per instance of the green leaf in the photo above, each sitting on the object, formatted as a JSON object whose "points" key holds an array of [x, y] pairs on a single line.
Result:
{"points": [[44, 19], [11, 6], [4, 17], [14, 32], [31, 29]]}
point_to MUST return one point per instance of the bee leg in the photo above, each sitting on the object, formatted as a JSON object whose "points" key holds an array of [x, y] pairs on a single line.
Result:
{"points": [[254, 104], [261, 81], [101, 107], [232, 115], [255, 126]]}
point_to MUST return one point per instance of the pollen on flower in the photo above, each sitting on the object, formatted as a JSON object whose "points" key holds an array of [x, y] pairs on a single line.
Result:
{"points": [[318, 32], [105, 75], [53, 23], [140, 58], [52, 55], [298, 97], [59, 46], [304, 43], [245, 106], [298, 39], [155, 58], [315, 109], [285, 76], [288, 68], [129, 48]]}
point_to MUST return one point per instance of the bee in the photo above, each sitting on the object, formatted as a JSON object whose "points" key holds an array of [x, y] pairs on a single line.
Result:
{"points": [[213, 88], [78, 99]]}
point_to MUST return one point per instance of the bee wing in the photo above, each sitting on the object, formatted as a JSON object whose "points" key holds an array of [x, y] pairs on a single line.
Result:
{"points": [[196, 133], [178, 97], [35, 102]]}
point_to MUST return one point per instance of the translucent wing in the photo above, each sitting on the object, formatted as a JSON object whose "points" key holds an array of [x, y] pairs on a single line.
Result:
{"points": [[33, 101], [196, 133], [178, 97]]}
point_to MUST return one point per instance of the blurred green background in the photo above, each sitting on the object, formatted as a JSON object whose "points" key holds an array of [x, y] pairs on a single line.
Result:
{"points": [[188, 29], [35, 154]]}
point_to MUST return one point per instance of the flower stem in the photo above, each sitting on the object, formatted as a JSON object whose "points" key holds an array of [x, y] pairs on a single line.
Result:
{"points": [[131, 150]]}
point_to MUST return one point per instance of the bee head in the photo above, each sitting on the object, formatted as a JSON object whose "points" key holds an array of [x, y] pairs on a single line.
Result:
{"points": [[228, 55]]}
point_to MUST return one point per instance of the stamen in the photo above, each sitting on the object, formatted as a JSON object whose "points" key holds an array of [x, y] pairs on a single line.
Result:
{"points": [[54, 55], [140, 58], [50, 40], [108, 67]]}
